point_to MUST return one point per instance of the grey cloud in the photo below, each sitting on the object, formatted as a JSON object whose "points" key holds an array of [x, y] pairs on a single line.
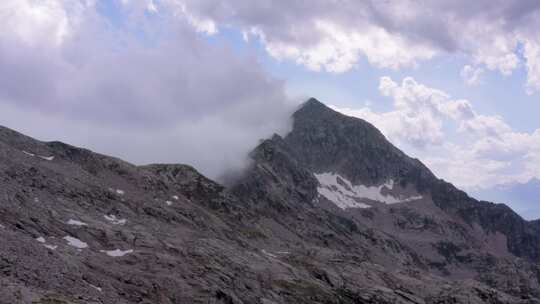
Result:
{"points": [[486, 31], [184, 79], [176, 99]]}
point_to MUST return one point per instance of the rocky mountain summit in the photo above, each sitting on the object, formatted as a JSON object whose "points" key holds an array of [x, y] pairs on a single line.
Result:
{"points": [[330, 213]]}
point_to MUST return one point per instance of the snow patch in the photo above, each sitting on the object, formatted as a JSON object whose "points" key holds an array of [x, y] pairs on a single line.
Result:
{"points": [[269, 254], [389, 184], [95, 287], [120, 192], [28, 153], [114, 220], [48, 246], [168, 203], [48, 158], [75, 242], [175, 197], [51, 247], [76, 223], [117, 252], [345, 195]]}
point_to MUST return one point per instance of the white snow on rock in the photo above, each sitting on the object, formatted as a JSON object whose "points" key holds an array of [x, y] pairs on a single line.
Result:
{"points": [[345, 195], [175, 197], [117, 252], [75, 242], [76, 223], [42, 241], [51, 247], [114, 220], [48, 158], [120, 192], [269, 254], [95, 287], [389, 184], [168, 203], [28, 153]]}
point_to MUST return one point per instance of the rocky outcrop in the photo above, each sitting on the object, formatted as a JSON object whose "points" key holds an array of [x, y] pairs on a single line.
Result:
{"points": [[326, 141], [80, 227], [446, 232]]}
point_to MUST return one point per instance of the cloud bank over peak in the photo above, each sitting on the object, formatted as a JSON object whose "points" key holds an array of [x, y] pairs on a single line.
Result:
{"points": [[141, 84], [172, 80]]}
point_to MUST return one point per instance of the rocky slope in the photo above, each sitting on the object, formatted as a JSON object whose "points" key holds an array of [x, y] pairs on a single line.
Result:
{"points": [[331, 213]]}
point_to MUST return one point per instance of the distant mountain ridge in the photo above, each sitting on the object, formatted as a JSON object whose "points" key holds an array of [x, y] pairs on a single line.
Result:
{"points": [[522, 197], [330, 213]]}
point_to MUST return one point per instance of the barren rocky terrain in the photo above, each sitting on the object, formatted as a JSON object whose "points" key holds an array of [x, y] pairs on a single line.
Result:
{"points": [[330, 213]]}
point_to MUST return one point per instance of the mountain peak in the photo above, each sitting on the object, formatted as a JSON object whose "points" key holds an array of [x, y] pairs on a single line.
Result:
{"points": [[315, 114], [331, 201], [313, 108], [313, 103], [325, 140]]}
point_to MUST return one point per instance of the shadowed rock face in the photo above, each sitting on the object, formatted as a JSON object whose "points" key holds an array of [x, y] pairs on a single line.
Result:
{"points": [[79, 227], [326, 141]]}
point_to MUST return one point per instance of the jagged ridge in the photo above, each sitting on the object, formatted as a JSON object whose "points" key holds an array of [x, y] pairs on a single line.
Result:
{"points": [[166, 234]]}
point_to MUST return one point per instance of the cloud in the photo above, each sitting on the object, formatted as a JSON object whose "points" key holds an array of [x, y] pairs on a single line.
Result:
{"points": [[488, 126], [35, 22], [324, 36], [531, 52], [465, 168], [418, 114], [470, 149], [317, 34], [339, 49], [146, 78], [471, 76], [153, 88]]}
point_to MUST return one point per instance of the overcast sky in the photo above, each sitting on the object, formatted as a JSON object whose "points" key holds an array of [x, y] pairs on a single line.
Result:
{"points": [[454, 83]]}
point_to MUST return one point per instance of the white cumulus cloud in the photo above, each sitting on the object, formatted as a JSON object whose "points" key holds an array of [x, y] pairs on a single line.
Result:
{"points": [[471, 75], [327, 36]]}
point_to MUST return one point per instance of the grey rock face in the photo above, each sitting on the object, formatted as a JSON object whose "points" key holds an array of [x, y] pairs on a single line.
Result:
{"points": [[79, 227], [324, 140]]}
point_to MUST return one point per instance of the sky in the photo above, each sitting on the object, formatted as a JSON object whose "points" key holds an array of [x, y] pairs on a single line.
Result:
{"points": [[453, 83]]}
